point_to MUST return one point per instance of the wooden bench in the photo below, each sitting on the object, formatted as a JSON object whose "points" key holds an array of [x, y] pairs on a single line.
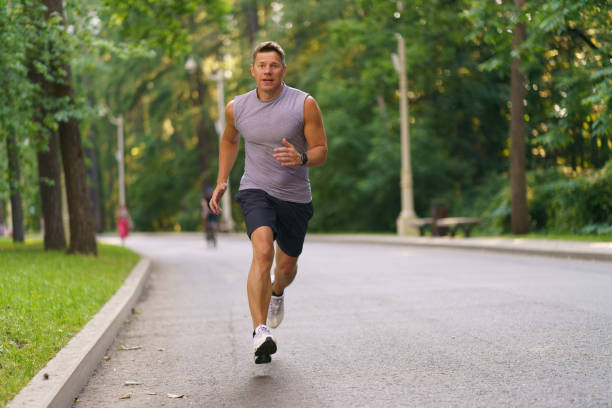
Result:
{"points": [[458, 223], [454, 224]]}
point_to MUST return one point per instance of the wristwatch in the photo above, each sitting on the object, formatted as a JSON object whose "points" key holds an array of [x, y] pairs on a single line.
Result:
{"points": [[304, 159]]}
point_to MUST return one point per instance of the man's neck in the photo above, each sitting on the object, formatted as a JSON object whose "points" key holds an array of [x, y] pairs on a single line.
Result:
{"points": [[266, 96]]}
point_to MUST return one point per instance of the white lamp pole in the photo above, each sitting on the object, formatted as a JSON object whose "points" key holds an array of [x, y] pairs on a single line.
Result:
{"points": [[120, 158], [407, 215]]}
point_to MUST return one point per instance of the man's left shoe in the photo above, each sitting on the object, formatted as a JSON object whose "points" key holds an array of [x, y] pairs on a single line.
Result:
{"points": [[276, 311], [264, 344]]}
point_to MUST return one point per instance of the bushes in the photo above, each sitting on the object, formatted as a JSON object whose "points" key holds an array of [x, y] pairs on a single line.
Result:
{"points": [[559, 202]]}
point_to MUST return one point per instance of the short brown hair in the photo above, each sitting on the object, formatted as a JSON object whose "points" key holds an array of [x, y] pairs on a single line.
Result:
{"points": [[269, 46]]}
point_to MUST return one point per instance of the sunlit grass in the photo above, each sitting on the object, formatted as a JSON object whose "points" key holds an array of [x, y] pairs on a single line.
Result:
{"points": [[45, 299], [555, 237], [476, 234], [566, 237]]}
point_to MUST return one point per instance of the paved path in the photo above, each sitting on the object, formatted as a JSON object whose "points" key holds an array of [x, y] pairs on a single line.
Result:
{"points": [[366, 326]]}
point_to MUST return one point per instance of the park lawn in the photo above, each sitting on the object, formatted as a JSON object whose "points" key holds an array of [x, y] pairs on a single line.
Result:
{"points": [[45, 299], [556, 237]]}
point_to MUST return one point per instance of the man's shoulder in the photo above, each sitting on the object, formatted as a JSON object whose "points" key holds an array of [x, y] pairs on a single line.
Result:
{"points": [[244, 95], [296, 91], [239, 102]]}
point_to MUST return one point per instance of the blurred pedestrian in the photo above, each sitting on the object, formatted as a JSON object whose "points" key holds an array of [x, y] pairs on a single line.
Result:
{"points": [[209, 219], [123, 223], [284, 135]]}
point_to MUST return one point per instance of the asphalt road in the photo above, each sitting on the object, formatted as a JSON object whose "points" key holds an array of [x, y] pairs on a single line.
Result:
{"points": [[365, 326]]}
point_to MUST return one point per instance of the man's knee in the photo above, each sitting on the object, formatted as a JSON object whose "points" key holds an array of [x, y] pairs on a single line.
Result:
{"points": [[262, 240], [263, 253]]}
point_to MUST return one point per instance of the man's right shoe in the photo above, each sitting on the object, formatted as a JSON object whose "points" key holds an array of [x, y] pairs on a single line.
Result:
{"points": [[276, 311], [264, 344]]}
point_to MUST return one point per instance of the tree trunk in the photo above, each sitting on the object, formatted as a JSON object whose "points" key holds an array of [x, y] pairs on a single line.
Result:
{"points": [[206, 138], [49, 173], [520, 214], [94, 191], [82, 236], [2, 217], [93, 171], [252, 21], [51, 196], [13, 171]]}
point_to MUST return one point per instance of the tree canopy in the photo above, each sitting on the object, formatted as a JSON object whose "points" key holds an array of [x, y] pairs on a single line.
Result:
{"points": [[153, 62]]}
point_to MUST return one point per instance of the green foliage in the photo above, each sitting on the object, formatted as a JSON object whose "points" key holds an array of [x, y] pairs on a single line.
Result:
{"points": [[130, 57], [559, 202], [566, 57], [160, 24], [46, 298], [161, 188], [340, 52], [575, 204]]}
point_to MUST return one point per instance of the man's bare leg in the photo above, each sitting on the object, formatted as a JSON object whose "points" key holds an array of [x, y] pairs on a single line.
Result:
{"points": [[259, 288], [284, 271]]}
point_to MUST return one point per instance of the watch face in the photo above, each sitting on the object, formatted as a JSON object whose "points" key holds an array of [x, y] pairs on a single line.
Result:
{"points": [[304, 158]]}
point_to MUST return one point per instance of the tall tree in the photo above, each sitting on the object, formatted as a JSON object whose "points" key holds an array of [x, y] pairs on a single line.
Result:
{"points": [[51, 195], [48, 155], [2, 216], [94, 187], [206, 135], [520, 213], [91, 151], [14, 183], [82, 236], [251, 14]]}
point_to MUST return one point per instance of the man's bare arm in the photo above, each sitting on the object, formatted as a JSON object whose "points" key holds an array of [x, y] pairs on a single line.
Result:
{"points": [[228, 150], [314, 132]]}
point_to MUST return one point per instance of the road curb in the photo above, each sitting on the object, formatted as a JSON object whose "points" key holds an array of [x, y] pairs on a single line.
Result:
{"points": [[593, 251], [61, 380]]}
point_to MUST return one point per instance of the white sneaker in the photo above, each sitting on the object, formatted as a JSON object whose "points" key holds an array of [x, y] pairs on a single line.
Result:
{"points": [[264, 344], [276, 311]]}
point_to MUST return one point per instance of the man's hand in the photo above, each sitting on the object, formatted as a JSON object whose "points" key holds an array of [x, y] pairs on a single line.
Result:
{"points": [[216, 198], [287, 156]]}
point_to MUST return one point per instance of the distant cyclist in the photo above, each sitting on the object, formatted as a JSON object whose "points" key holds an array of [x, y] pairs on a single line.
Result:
{"points": [[284, 135], [209, 220]]}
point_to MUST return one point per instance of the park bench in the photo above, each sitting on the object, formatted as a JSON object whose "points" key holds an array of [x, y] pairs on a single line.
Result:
{"points": [[458, 223], [450, 224]]}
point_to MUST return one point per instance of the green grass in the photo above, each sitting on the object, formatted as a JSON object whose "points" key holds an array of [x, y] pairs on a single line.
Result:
{"points": [[559, 237], [476, 234], [571, 237], [45, 299]]}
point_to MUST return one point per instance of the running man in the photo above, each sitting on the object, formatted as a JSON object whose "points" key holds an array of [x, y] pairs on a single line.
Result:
{"points": [[284, 135]]}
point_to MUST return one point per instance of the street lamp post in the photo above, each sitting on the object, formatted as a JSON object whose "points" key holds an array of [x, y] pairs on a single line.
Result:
{"points": [[407, 215], [118, 121]]}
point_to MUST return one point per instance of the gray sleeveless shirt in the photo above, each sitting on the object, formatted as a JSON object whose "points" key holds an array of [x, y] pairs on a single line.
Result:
{"points": [[263, 125]]}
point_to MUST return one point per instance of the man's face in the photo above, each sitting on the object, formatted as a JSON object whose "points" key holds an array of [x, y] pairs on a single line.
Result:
{"points": [[268, 71]]}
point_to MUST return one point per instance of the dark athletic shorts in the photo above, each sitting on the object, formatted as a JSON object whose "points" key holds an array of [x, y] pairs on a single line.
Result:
{"points": [[288, 220]]}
